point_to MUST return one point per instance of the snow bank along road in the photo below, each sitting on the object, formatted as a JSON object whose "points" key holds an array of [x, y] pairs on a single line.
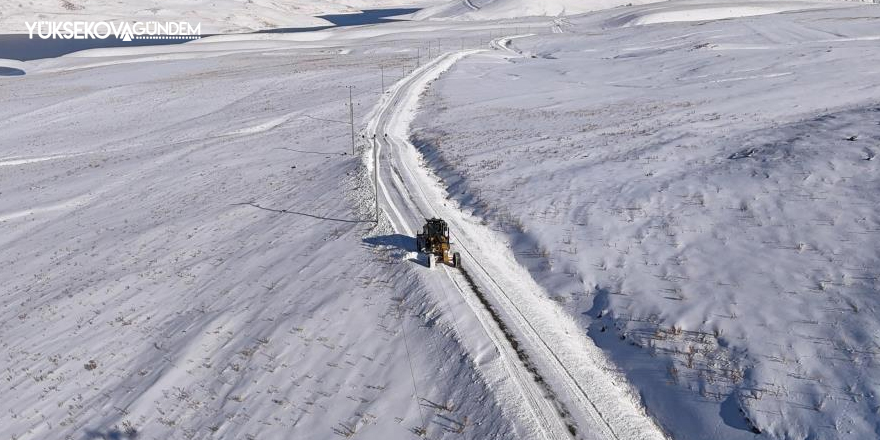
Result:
{"points": [[557, 377]]}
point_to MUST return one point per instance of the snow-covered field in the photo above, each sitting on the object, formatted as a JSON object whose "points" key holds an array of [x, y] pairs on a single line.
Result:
{"points": [[702, 196], [664, 210], [183, 257]]}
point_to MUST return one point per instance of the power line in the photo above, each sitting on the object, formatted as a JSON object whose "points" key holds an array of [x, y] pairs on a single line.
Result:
{"points": [[412, 371]]}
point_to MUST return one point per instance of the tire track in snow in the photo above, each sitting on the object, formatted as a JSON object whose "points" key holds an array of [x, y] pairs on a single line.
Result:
{"points": [[561, 351], [559, 25], [75, 202], [503, 43], [12, 161]]}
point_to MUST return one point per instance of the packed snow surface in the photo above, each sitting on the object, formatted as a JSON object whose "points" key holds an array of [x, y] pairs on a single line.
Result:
{"points": [[562, 378]]}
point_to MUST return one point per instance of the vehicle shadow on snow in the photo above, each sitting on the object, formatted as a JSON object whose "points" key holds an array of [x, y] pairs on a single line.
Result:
{"points": [[401, 246], [401, 242]]}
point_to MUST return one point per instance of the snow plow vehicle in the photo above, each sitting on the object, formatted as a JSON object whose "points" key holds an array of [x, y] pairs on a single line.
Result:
{"points": [[434, 240]]}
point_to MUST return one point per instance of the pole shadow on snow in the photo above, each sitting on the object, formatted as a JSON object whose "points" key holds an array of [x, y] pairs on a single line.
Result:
{"points": [[287, 211], [433, 405], [325, 153], [451, 425]]}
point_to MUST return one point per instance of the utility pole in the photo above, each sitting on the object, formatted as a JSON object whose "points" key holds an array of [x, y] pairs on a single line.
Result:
{"points": [[418, 56], [351, 118]]}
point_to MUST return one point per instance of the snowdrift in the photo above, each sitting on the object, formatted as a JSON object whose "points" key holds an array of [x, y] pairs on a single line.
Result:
{"points": [[11, 67]]}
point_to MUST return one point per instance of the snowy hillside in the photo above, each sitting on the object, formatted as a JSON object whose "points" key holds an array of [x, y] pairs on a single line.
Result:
{"points": [[702, 197], [495, 9], [184, 257], [660, 11], [216, 16], [667, 218]]}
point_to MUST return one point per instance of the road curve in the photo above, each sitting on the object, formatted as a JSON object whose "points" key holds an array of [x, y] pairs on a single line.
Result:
{"points": [[564, 383]]}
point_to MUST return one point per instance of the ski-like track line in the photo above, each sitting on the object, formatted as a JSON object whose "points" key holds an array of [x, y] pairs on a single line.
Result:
{"points": [[607, 410]]}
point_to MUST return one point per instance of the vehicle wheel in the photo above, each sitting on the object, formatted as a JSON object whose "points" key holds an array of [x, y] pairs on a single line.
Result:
{"points": [[456, 260]]}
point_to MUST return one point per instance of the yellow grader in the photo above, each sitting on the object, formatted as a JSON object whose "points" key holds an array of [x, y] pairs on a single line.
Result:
{"points": [[434, 240]]}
